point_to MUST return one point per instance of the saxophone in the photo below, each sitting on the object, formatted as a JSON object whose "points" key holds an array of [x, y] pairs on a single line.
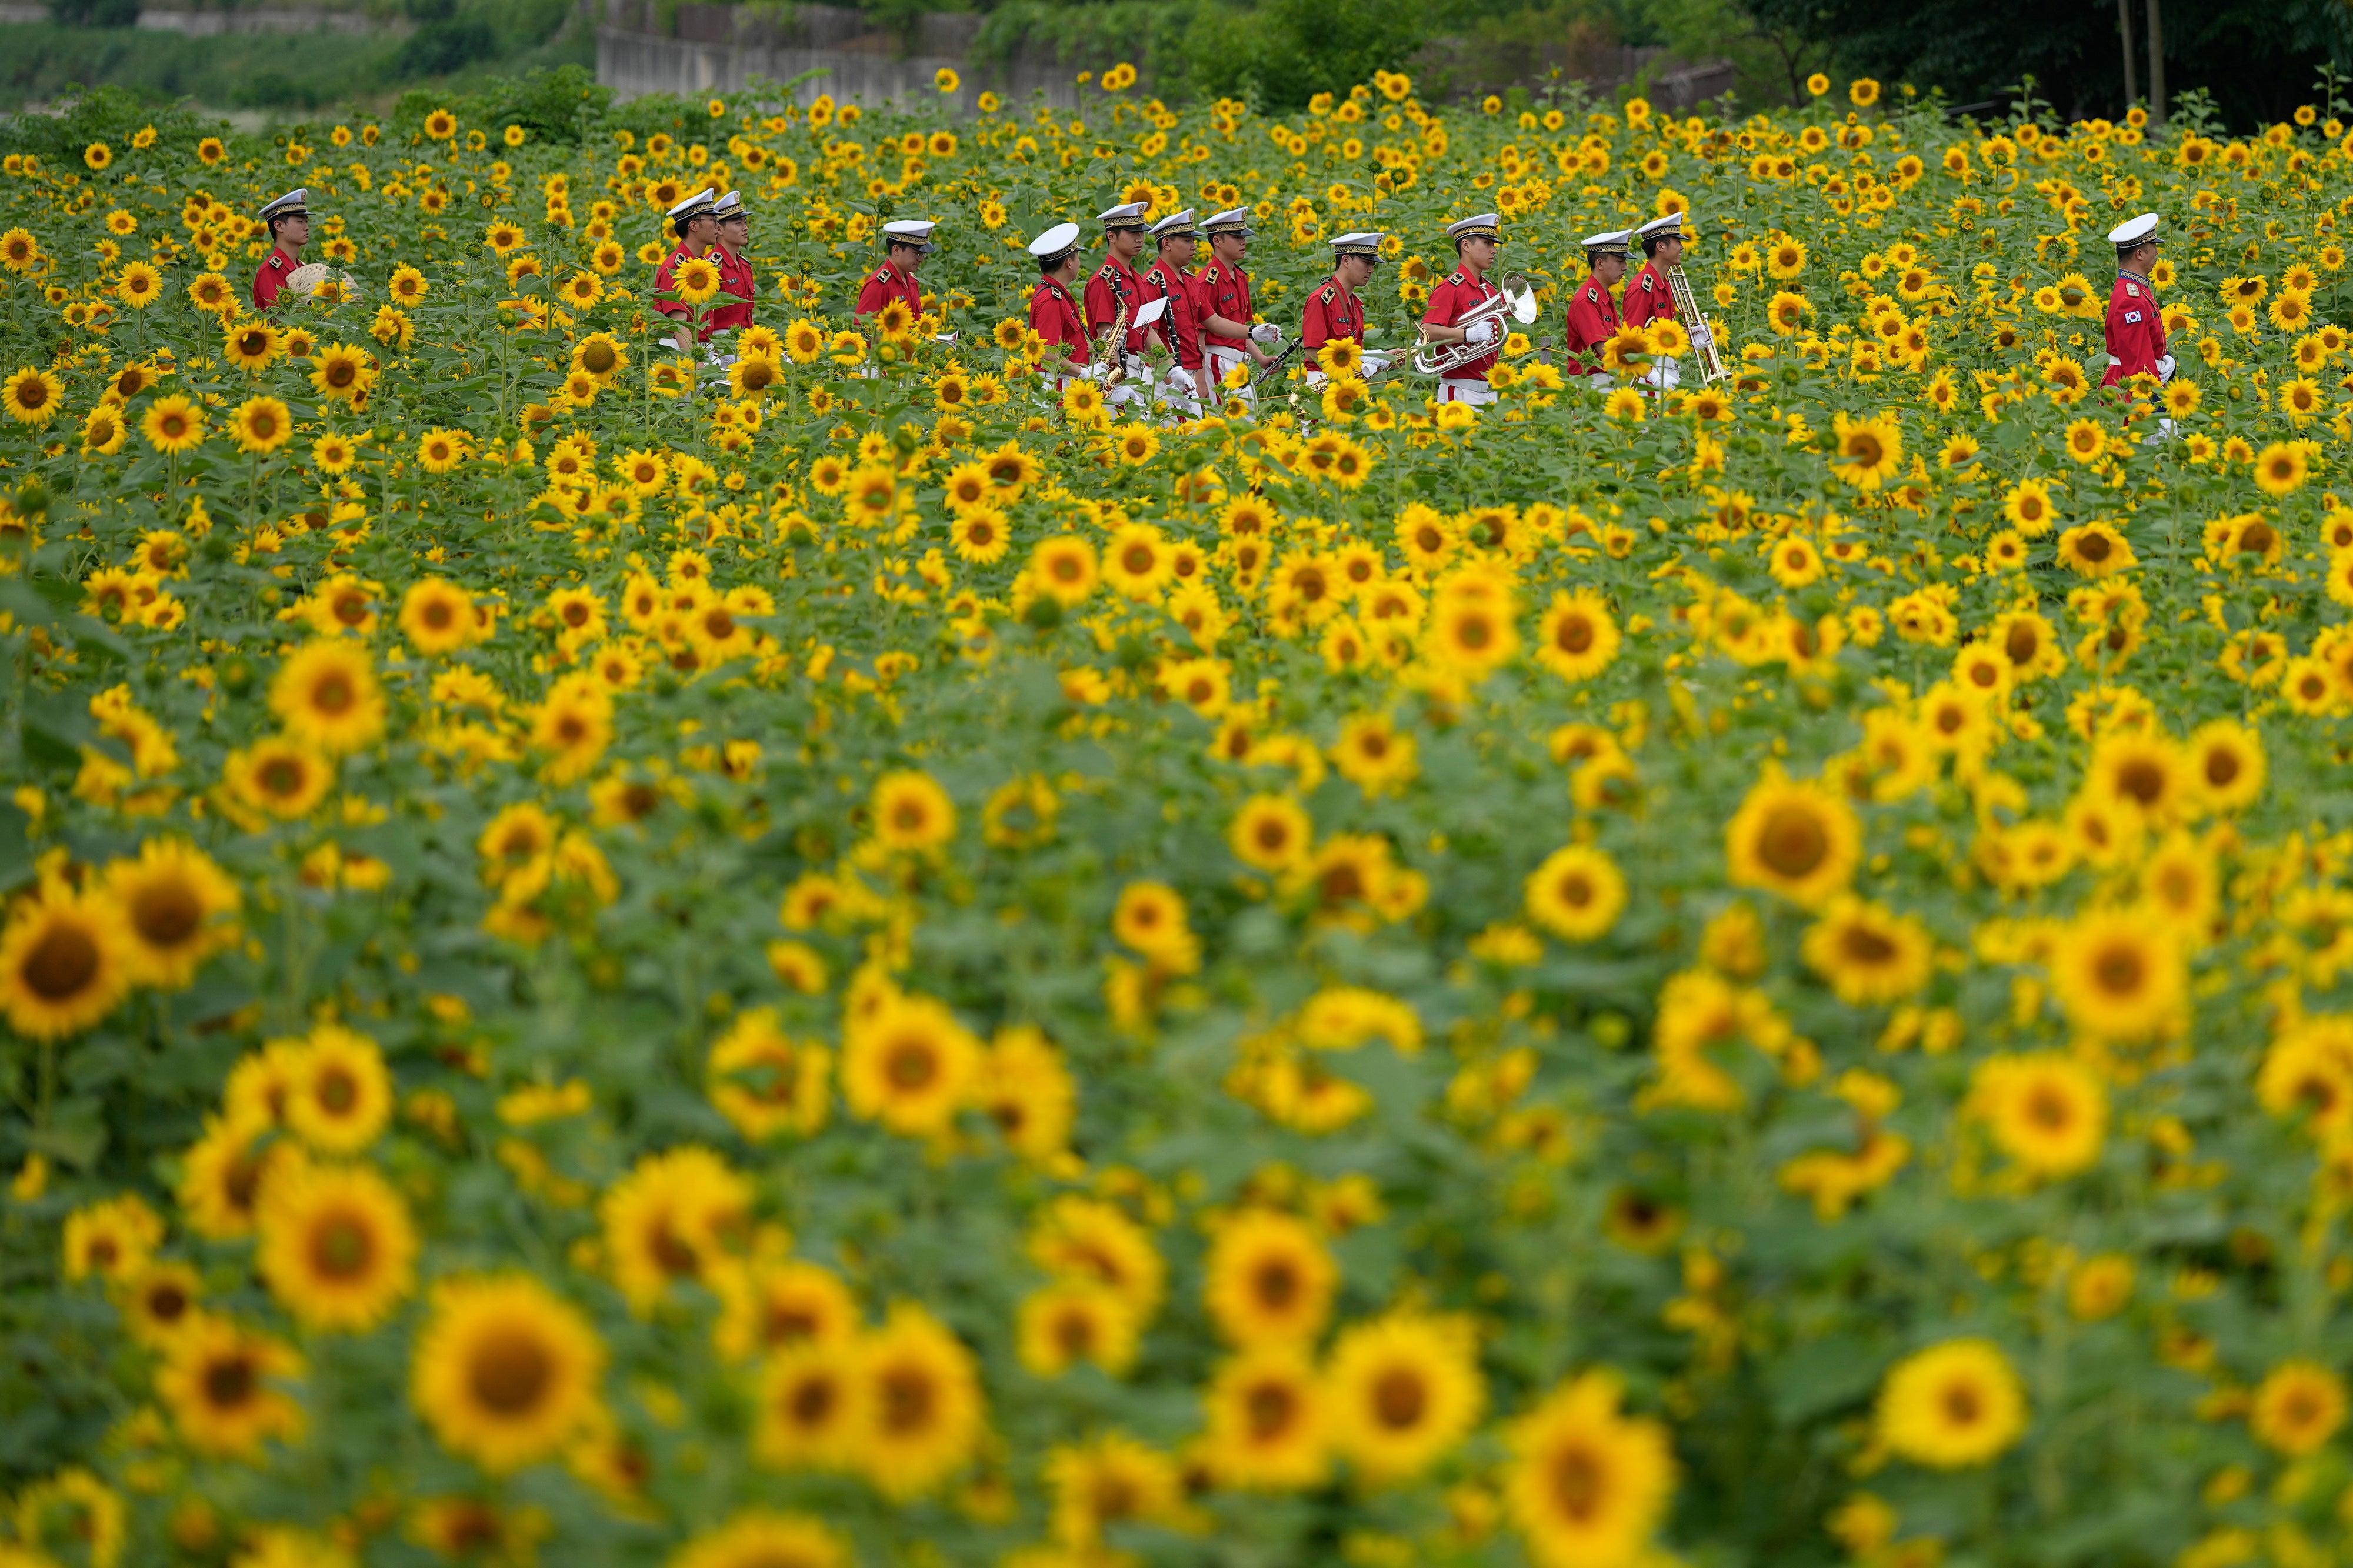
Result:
{"points": [[1111, 356]]}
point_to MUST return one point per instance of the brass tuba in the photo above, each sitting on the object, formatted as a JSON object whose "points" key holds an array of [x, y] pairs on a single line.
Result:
{"points": [[1516, 298], [1695, 327]]}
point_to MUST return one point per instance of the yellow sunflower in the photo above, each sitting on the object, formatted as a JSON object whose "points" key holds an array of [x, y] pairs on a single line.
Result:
{"points": [[1953, 1405], [178, 908], [919, 1414], [505, 1372], [1586, 1484], [220, 1383], [326, 695], [337, 1247], [1794, 838], [66, 959], [1403, 1390]]}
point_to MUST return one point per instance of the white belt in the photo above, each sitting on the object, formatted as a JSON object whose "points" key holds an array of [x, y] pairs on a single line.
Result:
{"points": [[1464, 389]]}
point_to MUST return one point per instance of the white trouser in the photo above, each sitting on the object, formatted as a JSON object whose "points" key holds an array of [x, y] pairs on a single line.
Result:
{"points": [[1464, 389], [1221, 362], [1601, 381], [1664, 376]]}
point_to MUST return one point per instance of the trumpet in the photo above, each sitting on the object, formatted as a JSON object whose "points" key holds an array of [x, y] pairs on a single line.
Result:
{"points": [[1516, 299], [1695, 327]]}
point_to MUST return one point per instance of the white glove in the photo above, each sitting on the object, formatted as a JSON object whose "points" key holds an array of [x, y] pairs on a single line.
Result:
{"points": [[1485, 331], [1266, 332], [2164, 368]]}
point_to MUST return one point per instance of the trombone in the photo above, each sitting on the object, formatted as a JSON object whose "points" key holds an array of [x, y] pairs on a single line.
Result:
{"points": [[1695, 327], [1517, 299]]}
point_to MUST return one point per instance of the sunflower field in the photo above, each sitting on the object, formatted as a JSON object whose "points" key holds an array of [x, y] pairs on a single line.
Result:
{"points": [[863, 964]]}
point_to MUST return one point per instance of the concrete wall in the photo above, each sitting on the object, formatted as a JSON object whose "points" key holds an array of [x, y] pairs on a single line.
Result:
{"points": [[203, 23], [699, 49], [719, 49]]}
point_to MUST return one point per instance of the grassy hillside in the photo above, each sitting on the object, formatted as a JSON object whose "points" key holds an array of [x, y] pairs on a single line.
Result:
{"points": [[290, 71]]}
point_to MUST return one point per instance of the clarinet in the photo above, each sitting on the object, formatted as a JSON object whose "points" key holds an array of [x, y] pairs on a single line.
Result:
{"points": [[1272, 371]]}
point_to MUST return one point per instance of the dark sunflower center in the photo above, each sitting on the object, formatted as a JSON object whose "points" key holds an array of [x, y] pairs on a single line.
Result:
{"points": [[166, 914], [1794, 843], [62, 964]]}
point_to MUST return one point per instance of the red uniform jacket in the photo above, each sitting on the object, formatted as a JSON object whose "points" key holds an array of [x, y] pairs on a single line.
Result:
{"points": [[1331, 313], [666, 277], [1053, 317], [1114, 284], [884, 284], [1179, 326], [271, 276], [1225, 290], [735, 276], [1592, 318], [2135, 330], [1449, 303], [1648, 297]]}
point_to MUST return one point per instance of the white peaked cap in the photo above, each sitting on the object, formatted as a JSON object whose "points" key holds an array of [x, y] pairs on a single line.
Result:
{"points": [[700, 200], [1365, 242], [1127, 215], [1609, 242], [1670, 223], [1175, 223], [293, 201], [2132, 231], [914, 231], [728, 206], [1055, 242], [1233, 220], [1484, 225]]}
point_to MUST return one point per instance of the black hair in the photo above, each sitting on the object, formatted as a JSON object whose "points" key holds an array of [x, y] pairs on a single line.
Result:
{"points": [[1162, 242], [277, 218], [1651, 243], [679, 226]]}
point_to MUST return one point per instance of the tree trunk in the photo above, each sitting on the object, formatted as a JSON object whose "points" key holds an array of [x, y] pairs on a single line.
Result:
{"points": [[2156, 64], [2123, 27]]}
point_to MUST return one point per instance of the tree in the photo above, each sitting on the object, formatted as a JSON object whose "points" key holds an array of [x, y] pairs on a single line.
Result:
{"points": [[2258, 61]]}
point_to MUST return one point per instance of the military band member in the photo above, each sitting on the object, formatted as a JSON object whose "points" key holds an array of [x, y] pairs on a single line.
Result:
{"points": [[1053, 314], [1593, 309], [906, 243], [1335, 310], [1227, 338], [1179, 326], [1649, 296], [2135, 327], [697, 231], [289, 221], [1115, 282], [1463, 290], [733, 259]]}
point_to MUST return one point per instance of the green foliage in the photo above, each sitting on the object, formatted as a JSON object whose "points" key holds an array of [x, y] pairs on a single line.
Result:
{"points": [[108, 114]]}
